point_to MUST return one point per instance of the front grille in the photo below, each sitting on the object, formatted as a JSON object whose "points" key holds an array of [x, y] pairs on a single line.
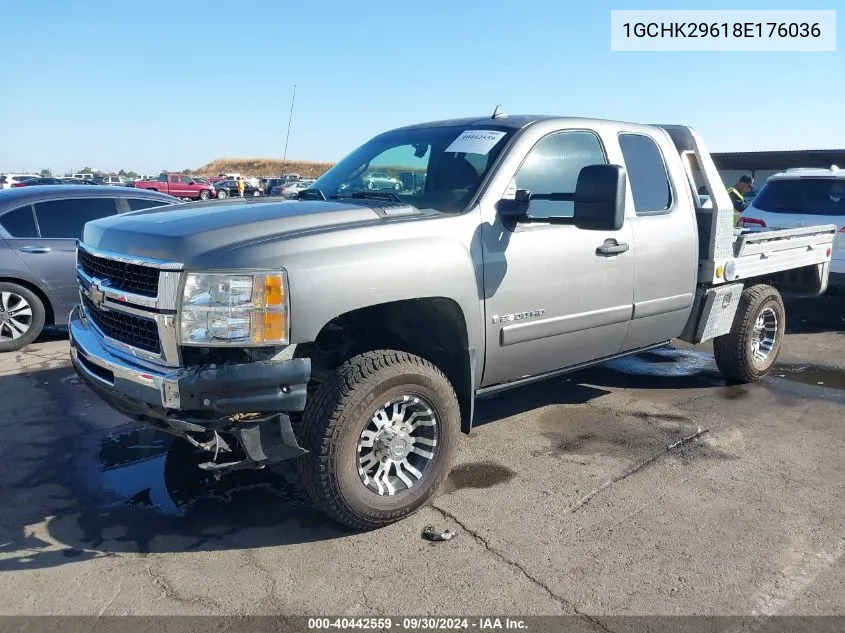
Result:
{"points": [[141, 280], [126, 328]]}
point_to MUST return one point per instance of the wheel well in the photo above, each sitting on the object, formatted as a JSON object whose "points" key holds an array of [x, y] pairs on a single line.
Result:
{"points": [[806, 280], [49, 315], [433, 328]]}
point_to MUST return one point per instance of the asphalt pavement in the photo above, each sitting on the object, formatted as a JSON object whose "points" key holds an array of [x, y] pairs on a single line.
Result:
{"points": [[646, 486]]}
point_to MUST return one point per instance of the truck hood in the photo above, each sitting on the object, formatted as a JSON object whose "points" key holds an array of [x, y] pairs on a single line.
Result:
{"points": [[197, 234]]}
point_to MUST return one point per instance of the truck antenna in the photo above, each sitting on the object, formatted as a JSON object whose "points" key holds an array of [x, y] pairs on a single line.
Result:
{"points": [[499, 113]]}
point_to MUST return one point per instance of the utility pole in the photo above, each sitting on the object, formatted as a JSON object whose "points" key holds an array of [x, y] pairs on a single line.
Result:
{"points": [[290, 118]]}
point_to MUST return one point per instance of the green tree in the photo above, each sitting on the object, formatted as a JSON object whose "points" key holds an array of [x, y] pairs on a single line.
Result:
{"points": [[86, 170], [46, 173]]}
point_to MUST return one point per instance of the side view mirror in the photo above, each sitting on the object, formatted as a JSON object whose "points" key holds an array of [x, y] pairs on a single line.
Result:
{"points": [[515, 206], [600, 198]]}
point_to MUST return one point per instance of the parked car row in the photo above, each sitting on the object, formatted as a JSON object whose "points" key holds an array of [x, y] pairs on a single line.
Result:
{"points": [[8, 181]]}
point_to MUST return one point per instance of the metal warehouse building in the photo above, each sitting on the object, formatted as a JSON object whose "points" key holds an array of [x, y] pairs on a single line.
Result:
{"points": [[761, 165]]}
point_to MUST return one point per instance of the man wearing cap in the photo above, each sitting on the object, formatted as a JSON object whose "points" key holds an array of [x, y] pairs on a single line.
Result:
{"points": [[737, 195]]}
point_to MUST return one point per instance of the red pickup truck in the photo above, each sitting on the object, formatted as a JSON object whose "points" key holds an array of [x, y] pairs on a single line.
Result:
{"points": [[179, 186]]}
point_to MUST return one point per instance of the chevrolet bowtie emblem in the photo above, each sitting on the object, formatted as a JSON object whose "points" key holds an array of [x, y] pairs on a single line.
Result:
{"points": [[96, 295]]}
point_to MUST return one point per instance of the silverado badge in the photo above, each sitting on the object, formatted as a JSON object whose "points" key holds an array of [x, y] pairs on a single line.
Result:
{"points": [[519, 316]]}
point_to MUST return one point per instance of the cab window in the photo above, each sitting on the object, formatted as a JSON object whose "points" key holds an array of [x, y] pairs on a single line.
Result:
{"points": [[553, 166]]}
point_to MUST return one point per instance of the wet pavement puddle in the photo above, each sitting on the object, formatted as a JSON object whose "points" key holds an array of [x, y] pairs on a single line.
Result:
{"points": [[478, 475], [829, 377]]}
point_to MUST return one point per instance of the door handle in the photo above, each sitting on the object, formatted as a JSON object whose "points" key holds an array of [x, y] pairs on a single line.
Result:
{"points": [[612, 247], [36, 249]]}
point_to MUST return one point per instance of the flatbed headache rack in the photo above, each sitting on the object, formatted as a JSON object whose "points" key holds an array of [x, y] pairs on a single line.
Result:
{"points": [[727, 254]]}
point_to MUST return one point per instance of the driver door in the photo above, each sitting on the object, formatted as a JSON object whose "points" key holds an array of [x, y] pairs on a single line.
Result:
{"points": [[554, 297]]}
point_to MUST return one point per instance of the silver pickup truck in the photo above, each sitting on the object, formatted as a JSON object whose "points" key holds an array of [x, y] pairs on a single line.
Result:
{"points": [[352, 329]]}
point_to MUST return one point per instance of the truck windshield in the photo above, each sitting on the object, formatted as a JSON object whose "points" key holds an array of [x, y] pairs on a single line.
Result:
{"points": [[812, 196], [429, 167]]}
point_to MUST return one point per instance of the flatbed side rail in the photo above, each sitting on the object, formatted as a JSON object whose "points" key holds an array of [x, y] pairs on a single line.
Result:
{"points": [[761, 242]]}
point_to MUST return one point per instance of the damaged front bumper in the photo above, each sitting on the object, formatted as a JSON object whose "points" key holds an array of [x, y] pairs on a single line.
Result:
{"points": [[248, 401]]}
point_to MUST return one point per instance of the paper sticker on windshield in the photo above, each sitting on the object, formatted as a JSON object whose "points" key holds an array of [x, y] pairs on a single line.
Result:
{"points": [[475, 141]]}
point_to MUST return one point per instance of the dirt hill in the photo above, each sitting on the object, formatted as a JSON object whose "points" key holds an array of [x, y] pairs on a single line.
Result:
{"points": [[261, 167]]}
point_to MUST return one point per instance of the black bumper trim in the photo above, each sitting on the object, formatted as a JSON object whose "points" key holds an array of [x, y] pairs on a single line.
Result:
{"points": [[259, 387]]}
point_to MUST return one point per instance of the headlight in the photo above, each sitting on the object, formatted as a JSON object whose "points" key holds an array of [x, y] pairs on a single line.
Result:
{"points": [[235, 308]]}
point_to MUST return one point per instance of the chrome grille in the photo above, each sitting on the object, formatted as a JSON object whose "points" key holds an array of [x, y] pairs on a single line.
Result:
{"points": [[125, 276], [136, 331], [132, 301]]}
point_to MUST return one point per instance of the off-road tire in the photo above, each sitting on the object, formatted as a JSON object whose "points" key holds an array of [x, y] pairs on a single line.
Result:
{"points": [[733, 351], [39, 315], [332, 423]]}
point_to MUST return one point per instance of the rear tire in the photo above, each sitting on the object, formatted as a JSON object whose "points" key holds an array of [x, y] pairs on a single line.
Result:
{"points": [[222, 194], [22, 317], [358, 427], [748, 352]]}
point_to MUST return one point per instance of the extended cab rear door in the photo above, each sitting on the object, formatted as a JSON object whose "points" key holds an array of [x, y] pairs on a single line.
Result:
{"points": [[664, 228], [555, 295]]}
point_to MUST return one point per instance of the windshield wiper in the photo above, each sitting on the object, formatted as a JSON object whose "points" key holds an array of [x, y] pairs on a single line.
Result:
{"points": [[316, 194], [373, 195]]}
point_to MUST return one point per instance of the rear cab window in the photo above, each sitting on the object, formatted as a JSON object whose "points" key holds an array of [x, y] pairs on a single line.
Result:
{"points": [[647, 175]]}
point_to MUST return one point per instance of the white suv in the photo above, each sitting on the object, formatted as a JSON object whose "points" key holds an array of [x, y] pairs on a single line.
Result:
{"points": [[803, 197], [12, 179]]}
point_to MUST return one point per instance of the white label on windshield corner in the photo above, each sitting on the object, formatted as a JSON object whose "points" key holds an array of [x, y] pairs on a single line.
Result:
{"points": [[475, 141]]}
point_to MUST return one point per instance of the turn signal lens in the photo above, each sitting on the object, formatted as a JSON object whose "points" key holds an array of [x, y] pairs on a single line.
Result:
{"points": [[274, 293], [719, 272], [272, 327]]}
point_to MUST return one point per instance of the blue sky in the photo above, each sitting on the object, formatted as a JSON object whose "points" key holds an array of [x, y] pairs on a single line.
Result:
{"points": [[172, 85]]}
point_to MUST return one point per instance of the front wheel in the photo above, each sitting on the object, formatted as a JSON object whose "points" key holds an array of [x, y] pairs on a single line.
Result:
{"points": [[750, 349], [205, 194], [381, 435]]}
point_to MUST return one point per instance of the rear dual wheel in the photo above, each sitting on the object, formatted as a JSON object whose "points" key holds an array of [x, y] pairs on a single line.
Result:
{"points": [[381, 435]]}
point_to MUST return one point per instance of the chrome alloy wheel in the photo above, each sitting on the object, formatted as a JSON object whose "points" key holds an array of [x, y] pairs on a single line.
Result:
{"points": [[15, 316], [764, 335], [398, 445]]}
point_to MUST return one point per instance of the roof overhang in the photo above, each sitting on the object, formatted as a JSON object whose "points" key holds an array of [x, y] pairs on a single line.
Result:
{"points": [[779, 160]]}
